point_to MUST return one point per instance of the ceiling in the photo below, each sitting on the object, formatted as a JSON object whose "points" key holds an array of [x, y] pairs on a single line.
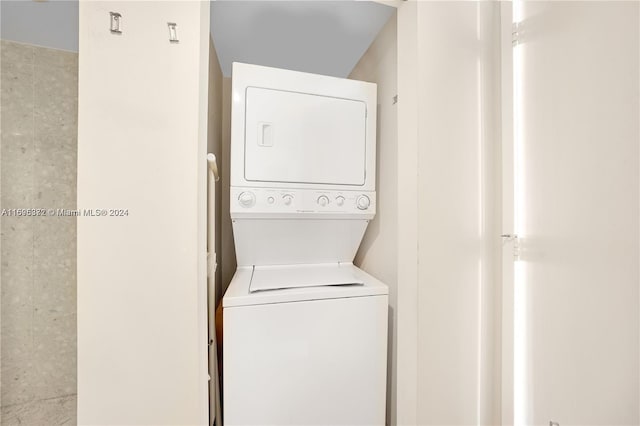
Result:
{"points": [[324, 37]]}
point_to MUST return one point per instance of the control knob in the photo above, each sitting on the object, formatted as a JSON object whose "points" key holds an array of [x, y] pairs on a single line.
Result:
{"points": [[247, 199], [323, 200], [363, 202], [287, 199], [340, 200]]}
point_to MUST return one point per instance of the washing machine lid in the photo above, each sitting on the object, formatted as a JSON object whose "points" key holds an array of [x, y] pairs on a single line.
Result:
{"points": [[315, 282], [274, 277]]}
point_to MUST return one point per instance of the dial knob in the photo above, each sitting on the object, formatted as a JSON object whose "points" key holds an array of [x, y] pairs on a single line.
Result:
{"points": [[271, 200], [340, 200], [323, 200], [287, 199], [363, 202], [247, 199]]}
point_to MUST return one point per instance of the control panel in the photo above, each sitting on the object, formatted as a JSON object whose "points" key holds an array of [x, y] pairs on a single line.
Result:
{"points": [[271, 200]]}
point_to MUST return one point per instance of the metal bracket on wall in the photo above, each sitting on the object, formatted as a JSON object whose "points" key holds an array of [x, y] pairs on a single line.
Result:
{"points": [[516, 33], [173, 33], [116, 19], [506, 238]]}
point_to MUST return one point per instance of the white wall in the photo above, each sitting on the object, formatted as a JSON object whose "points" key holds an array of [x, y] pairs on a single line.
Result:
{"points": [[228, 261], [377, 253], [407, 256], [579, 239], [452, 105], [214, 145], [457, 233], [577, 184], [142, 278]]}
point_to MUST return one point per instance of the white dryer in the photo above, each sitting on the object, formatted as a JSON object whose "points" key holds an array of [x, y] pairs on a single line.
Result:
{"points": [[305, 331]]}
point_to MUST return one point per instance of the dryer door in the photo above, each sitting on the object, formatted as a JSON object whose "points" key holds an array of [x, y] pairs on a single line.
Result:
{"points": [[303, 138]]}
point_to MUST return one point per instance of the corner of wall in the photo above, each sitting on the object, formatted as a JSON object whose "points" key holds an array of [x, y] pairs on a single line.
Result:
{"points": [[377, 251], [407, 252]]}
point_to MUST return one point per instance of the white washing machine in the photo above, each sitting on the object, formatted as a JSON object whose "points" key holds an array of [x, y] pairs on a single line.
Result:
{"points": [[305, 331]]}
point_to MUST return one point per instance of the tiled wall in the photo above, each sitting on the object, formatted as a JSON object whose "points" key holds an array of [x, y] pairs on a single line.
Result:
{"points": [[38, 108]]}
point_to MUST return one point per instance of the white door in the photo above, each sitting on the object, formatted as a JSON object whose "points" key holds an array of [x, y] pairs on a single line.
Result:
{"points": [[142, 313], [303, 363], [304, 138], [572, 298]]}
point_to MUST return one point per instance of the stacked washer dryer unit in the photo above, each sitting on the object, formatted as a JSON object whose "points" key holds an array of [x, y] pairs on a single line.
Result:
{"points": [[305, 331]]}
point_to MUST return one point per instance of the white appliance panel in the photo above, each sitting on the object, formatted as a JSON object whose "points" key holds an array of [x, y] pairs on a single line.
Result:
{"points": [[296, 241], [301, 131], [320, 362], [285, 203], [304, 138]]}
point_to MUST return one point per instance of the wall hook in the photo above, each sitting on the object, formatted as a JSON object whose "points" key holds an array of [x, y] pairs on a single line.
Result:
{"points": [[173, 33], [115, 23], [506, 238]]}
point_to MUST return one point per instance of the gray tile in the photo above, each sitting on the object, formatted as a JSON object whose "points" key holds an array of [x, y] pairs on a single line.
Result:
{"points": [[17, 342], [17, 246], [18, 383], [17, 280], [17, 124], [47, 412], [55, 92], [17, 84], [54, 304], [56, 89], [62, 59], [38, 107], [16, 54], [55, 175], [54, 371], [54, 287], [16, 167], [54, 284], [54, 276], [54, 335]]}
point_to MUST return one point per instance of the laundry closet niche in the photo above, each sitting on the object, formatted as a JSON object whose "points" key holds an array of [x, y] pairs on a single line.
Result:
{"points": [[355, 40]]}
